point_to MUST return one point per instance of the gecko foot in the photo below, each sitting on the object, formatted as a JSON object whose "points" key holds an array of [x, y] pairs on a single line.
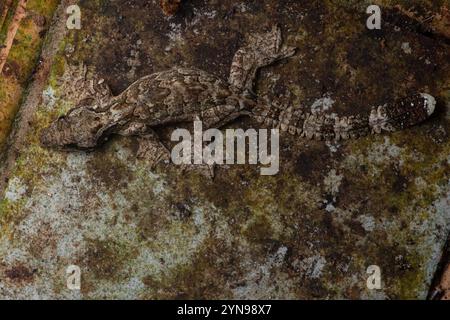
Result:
{"points": [[153, 151]]}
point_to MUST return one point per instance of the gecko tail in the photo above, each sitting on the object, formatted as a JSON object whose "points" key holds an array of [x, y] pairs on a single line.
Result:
{"points": [[403, 113], [399, 115]]}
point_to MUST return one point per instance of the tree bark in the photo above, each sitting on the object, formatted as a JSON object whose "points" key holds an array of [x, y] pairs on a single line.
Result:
{"points": [[5, 8], [12, 30]]}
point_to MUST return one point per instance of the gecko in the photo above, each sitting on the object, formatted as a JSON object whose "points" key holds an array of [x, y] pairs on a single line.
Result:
{"points": [[181, 95]]}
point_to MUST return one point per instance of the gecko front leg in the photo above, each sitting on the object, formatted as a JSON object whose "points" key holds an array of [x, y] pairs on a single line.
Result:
{"points": [[152, 149]]}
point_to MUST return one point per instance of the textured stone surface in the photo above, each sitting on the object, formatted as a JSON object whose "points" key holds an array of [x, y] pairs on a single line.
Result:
{"points": [[309, 232]]}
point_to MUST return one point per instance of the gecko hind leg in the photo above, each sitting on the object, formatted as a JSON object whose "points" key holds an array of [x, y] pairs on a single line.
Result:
{"points": [[150, 146], [260, 51]]}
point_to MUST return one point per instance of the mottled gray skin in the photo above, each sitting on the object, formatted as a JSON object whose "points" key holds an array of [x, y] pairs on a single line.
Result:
{"points": [[186, 94], [390, 117], [168, 97]]}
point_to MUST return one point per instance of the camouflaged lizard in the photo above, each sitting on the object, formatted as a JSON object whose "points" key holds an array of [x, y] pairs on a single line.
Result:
{"points": [[187, 94]]}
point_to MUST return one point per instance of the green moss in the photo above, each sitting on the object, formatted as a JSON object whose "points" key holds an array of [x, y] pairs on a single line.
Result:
{"points": [[105, 258], [259, 230], [412, 281], [205, 276], [22, 59], [28, 42], [43, 7], [57, 69], [9, 214]]}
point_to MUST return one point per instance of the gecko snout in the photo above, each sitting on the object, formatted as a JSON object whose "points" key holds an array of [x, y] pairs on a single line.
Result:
{"points": [[81, 128], [46, 137], [57, 135]]}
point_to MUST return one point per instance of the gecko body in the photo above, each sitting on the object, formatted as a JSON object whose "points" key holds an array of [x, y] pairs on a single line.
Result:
{"points": [[187, 94]]}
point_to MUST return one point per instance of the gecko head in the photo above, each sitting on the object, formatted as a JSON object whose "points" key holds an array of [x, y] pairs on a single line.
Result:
{"points": [[430, 103], [81, 128]]}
